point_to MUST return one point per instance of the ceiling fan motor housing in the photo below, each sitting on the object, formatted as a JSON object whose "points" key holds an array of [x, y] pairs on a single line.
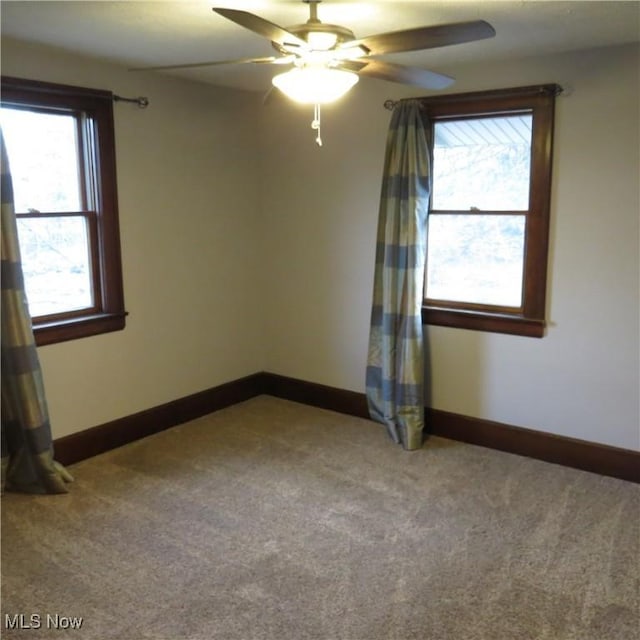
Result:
{"points": [[318, 34]]}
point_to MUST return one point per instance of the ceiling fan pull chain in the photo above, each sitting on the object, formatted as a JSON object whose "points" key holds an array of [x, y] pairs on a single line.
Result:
{"points": [[315, 124]]}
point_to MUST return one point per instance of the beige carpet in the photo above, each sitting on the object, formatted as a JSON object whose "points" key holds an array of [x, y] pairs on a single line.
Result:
{"points": [[273, 520]]}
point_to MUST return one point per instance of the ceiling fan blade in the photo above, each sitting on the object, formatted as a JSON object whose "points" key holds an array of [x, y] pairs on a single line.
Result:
{"points": [[426, 37], [192, 65], [398, 73], [262, 27]]}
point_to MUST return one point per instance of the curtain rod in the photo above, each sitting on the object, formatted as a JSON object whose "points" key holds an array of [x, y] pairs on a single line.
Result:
{"points": [[544, 89], [38, 86], [141, 101]]}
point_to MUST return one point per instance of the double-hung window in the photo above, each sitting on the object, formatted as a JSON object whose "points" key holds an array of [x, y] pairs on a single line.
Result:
{"points": [[489, 212], [60, 143]]}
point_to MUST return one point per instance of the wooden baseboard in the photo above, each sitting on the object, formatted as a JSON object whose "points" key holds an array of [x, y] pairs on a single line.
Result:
{"points": [[316, 395], [569, 452], [579, 454], [116, 433]]}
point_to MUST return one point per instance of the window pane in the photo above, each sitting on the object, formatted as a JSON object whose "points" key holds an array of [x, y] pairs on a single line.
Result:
{"points": [[482, 163], [55, 260], [476, 258], [43, 154]]}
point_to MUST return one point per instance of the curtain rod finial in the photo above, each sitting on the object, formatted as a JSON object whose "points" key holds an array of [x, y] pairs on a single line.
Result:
{"points": [[141, 101]]}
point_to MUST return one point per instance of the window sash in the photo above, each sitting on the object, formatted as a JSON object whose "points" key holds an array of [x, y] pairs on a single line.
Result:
{"points": [[470, 131], [467, 304], [90, 218]]}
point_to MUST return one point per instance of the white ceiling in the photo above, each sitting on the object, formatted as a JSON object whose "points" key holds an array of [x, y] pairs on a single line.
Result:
{"points": [[135, 33]]}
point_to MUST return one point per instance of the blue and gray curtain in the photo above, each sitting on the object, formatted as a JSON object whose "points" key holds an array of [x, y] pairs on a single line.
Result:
{"points": [[27, 451], [395, 366]]}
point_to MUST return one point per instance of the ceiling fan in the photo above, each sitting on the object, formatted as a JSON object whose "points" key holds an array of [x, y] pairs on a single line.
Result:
{"points": [[326, 59]]}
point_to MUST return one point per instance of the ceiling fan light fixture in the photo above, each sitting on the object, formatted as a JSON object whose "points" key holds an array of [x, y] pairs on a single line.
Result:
{"points": [[315, 85], [322, 40]]}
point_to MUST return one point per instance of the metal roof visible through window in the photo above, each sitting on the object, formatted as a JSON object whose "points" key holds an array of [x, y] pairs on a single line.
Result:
{"points": [[502, 130]]}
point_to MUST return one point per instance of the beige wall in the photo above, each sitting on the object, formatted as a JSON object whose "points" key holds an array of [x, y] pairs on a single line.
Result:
{"points": [[246, 247], [189, 230], [320, 212]]}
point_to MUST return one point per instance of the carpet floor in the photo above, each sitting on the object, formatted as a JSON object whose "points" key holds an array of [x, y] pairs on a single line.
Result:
{"points": [[271, 520]]}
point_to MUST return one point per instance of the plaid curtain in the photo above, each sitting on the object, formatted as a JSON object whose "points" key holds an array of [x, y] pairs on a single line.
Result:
{"points": [[395, 366], [27, 451]]}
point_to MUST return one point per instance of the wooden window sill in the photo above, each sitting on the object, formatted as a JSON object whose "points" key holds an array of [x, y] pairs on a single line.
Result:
{"points": [[484, 321], [82, 327]]}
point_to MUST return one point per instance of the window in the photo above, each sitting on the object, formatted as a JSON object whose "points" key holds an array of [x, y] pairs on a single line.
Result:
{"points": [[489, 214], [60, 144]]}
